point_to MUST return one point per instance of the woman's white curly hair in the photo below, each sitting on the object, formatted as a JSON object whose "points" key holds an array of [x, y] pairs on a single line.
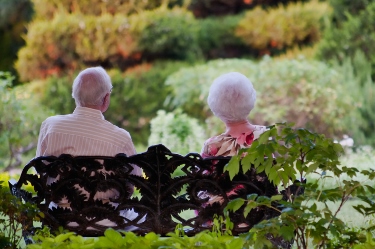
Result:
{"points": [[231, 97]]}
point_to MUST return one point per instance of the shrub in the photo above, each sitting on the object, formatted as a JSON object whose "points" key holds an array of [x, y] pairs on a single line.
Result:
{"points": [[20, 119], [282, 27], [297, 52], [176, 131], [48, 8], [137, 95], [308, 93], [355, 34], [205, 8], [167, 33], [13, 17], [305, 218], [115, 239], [341, 9], [14, 215], [357, 73], [68, 42], [217, 37]]}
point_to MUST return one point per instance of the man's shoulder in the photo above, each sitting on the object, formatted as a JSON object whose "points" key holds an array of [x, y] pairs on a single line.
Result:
{"points": [[56, 118], [116, 129]]}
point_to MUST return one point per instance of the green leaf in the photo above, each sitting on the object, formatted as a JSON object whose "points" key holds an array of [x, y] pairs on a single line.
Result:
{"points": [[235, 243], [251, 197], [235, 204], [287, 232], [114, 236], [249, 206], [233, 167], [248, 160], [276, 197], [62, 237], [264, 137]]}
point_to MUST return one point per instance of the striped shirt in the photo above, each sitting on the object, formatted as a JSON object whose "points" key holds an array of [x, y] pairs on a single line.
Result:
{"points": [[84, 132]]}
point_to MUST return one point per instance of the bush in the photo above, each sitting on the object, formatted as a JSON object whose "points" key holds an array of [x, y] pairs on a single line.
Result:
{"points": [[343, 8], [14, 215], [115, 239], [20, 119], [205, 8], [357, 71], [69, 42], [48, 8], [177, 131], [297, 52], [217, 37], [137, 95], [355, 34], [165, 33], [13, 17], [305, 218], [283, 27]]}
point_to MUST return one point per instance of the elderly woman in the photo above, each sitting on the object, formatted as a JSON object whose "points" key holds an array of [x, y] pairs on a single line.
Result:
{"points": [[231, 98]]}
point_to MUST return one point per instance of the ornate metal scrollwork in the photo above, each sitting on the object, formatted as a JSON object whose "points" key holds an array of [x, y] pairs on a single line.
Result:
{"points": [[68, 191]]}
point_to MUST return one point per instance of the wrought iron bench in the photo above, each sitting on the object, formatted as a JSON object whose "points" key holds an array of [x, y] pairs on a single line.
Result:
{"points": [[163, 194]]}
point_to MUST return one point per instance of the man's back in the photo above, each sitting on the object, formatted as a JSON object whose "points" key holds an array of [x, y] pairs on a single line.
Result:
{"points": [[85, 132]]}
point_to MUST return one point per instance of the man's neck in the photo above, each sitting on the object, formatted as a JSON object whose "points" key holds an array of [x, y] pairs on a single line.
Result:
{"points": [[99, 108]]}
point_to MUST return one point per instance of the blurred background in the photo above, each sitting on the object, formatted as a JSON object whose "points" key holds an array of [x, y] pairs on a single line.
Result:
{"points": [[311, 62]]}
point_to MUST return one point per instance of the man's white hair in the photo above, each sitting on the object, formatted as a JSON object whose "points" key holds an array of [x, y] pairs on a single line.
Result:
{"points": [[90, 86], [231, 97]]}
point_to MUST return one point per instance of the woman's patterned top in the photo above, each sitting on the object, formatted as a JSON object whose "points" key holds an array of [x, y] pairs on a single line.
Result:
{"points": [[226, 145]]}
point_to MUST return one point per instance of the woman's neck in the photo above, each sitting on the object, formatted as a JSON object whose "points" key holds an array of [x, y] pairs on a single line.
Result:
{"points": [[237, 128]]}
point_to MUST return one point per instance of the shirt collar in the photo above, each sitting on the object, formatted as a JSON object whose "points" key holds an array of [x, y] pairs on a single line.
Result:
{"points": [[85, 111]]}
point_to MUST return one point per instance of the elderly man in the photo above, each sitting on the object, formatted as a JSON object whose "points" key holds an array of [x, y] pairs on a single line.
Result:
{"points": [[85, 131]]}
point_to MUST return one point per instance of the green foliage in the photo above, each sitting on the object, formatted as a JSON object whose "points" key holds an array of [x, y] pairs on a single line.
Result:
{"points": [[282, 27], [14, 215], [357, 71], [206, 8], [356, 33], [306, 217], [48, 8], [167, 33], [176, 131], [220, 40], [68, 42], [302, 91], [13, 17], [137, 95], [341, 9], [20, 119], [115, 239]]}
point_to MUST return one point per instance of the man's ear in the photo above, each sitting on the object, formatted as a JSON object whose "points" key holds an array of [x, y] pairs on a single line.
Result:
{"points": [[105, 104], [106, 99]]}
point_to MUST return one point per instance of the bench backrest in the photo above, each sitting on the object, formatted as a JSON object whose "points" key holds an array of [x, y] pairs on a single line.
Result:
{"points": [[172, 184]]}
